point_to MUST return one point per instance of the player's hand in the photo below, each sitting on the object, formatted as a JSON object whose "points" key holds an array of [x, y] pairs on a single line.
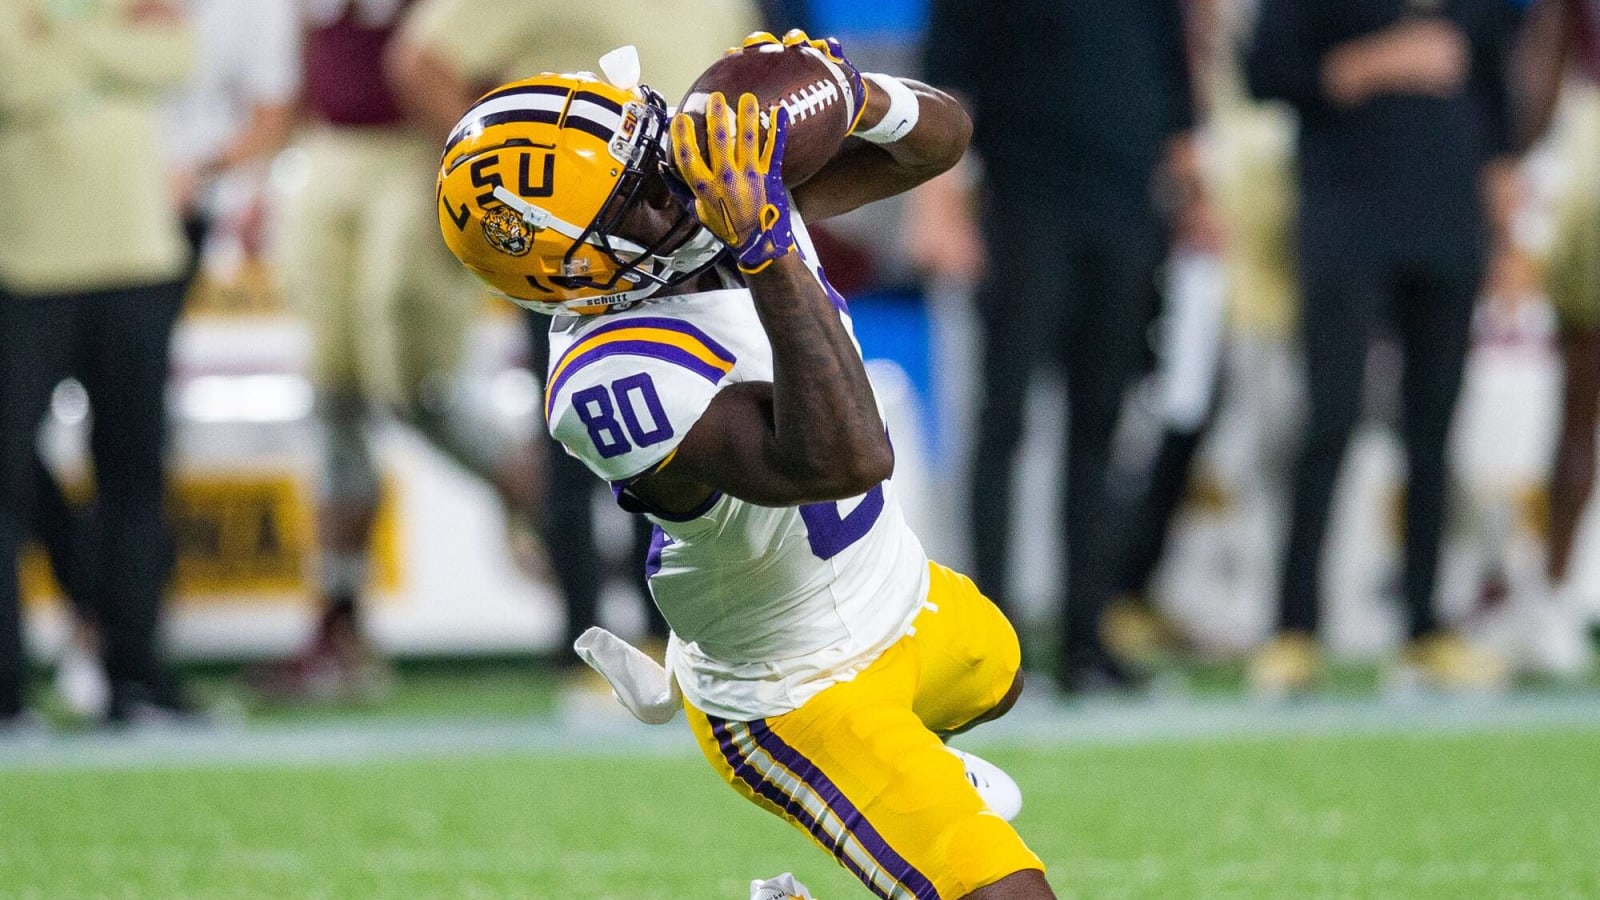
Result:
{"points": [[738, 181], [828, 47]]}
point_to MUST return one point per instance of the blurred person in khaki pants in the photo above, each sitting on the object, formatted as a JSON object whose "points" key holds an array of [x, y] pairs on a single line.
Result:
{"points": [[360, 257], [449, 53], [91, 262]]}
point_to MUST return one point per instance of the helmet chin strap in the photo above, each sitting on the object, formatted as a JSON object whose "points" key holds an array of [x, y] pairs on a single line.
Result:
{"points": [[695, 253]]}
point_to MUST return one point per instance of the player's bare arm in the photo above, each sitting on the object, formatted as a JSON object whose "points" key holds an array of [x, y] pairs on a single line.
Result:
{"points": [[864, 172], [814, 433]]}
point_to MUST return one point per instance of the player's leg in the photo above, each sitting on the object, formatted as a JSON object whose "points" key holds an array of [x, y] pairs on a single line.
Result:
{"points": [[33, 359], [409, 278], [1099, 350], [1017, 305], [64, 530], [318, 259], [1435, 316], [969, 660], [858, 772], [1572, 475], [1335, 328], [124, 370]]}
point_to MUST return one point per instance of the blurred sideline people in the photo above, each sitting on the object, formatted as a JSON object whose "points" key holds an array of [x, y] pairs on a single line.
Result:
{"points": [[235, 114], [388, 310], [226, 121], [1078, 107], [1402, 107], [1227, 326], [91, 263], [449, 52], [1561, 39]]}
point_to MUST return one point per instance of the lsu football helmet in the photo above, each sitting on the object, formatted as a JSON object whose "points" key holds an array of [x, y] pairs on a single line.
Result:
{"points": [[537, 177]]}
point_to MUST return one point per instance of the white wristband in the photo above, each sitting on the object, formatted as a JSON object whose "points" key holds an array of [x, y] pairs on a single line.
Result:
{"points": [[901, 117]]}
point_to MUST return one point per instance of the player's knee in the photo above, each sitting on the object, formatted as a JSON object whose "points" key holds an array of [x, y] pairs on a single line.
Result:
{"points": [[1009, 700], [987, 860], [349, 474], [1029, 884]]}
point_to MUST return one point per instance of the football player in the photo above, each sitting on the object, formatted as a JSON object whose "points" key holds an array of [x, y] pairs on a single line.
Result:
{"points": [[1561, 39], [702, 364]]}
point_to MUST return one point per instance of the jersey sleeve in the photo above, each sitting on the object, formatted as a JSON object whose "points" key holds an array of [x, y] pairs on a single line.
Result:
{"points": [[623, 396]]}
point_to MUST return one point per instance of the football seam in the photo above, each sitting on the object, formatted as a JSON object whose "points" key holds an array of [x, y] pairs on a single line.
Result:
{"points": [[811, 99]]}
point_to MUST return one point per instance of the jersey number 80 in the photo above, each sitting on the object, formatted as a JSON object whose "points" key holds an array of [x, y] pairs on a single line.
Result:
{"points": [[616, 427]]}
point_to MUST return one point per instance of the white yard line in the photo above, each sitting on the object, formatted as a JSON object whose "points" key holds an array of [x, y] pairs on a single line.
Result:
{"points": [[1034, 723]]}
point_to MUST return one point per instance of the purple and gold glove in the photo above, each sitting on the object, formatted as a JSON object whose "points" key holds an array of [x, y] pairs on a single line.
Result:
{"points": [[831, 49], [738, 182]]}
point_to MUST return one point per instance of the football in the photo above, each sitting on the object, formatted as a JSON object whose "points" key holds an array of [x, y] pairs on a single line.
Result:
{"points": [[814, 90]]}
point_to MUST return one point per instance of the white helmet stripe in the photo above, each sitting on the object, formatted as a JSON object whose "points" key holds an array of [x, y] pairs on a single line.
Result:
{"points": [[599, 115], [542, 102]]}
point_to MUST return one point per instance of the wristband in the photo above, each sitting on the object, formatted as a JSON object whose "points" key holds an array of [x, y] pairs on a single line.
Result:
{"points": [[901, 117]]}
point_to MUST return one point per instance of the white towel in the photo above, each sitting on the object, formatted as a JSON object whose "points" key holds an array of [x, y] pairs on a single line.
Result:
{"points": [[638, 682]]}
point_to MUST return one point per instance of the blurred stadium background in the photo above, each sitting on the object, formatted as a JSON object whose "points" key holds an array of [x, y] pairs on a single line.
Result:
{"points": [[489, 771]]}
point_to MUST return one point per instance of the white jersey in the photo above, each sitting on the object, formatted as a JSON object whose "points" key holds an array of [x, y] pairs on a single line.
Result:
{"points": [[768, 606]]}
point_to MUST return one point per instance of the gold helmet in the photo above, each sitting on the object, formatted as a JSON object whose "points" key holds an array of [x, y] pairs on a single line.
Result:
{"points": [[536, 178]]}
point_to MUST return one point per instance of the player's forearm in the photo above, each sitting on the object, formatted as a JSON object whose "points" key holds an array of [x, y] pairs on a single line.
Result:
{"points": [[864, 172], [829, 439], [434, 92]]}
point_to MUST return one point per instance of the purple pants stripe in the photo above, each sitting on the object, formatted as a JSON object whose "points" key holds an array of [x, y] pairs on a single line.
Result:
{"points": [[855, 822], [763, 788]]}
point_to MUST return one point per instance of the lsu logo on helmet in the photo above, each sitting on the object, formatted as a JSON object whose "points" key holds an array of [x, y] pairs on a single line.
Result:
{"points": [[535, 181]]}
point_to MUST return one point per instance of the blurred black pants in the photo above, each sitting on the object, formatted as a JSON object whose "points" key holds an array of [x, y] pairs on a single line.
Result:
{"points": [[568, 528], [1070, 290], [116, 342], [1429, 306]]}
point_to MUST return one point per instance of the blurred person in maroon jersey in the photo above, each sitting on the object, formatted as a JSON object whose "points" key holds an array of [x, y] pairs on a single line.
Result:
{"points": [[1560, 40], [388, 309], [91, 281], [449, 52]]}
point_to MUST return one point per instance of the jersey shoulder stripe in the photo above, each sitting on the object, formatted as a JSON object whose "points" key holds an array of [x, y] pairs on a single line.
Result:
{"points": [[669, 340]]}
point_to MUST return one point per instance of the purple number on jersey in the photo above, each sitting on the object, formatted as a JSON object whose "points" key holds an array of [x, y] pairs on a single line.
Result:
{"points": [[598, 414], [594, 409], [830, 533], [660, 428]]}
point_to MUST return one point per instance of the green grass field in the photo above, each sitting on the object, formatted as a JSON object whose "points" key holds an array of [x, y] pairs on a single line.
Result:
{"points": [[510, 800]]}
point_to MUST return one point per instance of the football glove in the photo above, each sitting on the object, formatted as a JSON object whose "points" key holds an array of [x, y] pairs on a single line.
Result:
{"points": [[828, 47], [738, 182]]}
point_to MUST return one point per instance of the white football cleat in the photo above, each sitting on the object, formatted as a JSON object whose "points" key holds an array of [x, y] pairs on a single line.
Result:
{"points": [[784, 887], [996, 788]]}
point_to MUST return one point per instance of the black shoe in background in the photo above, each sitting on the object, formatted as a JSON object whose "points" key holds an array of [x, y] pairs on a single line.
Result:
{"points": [[1097, 673], [23, 725], [138, 705]]}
